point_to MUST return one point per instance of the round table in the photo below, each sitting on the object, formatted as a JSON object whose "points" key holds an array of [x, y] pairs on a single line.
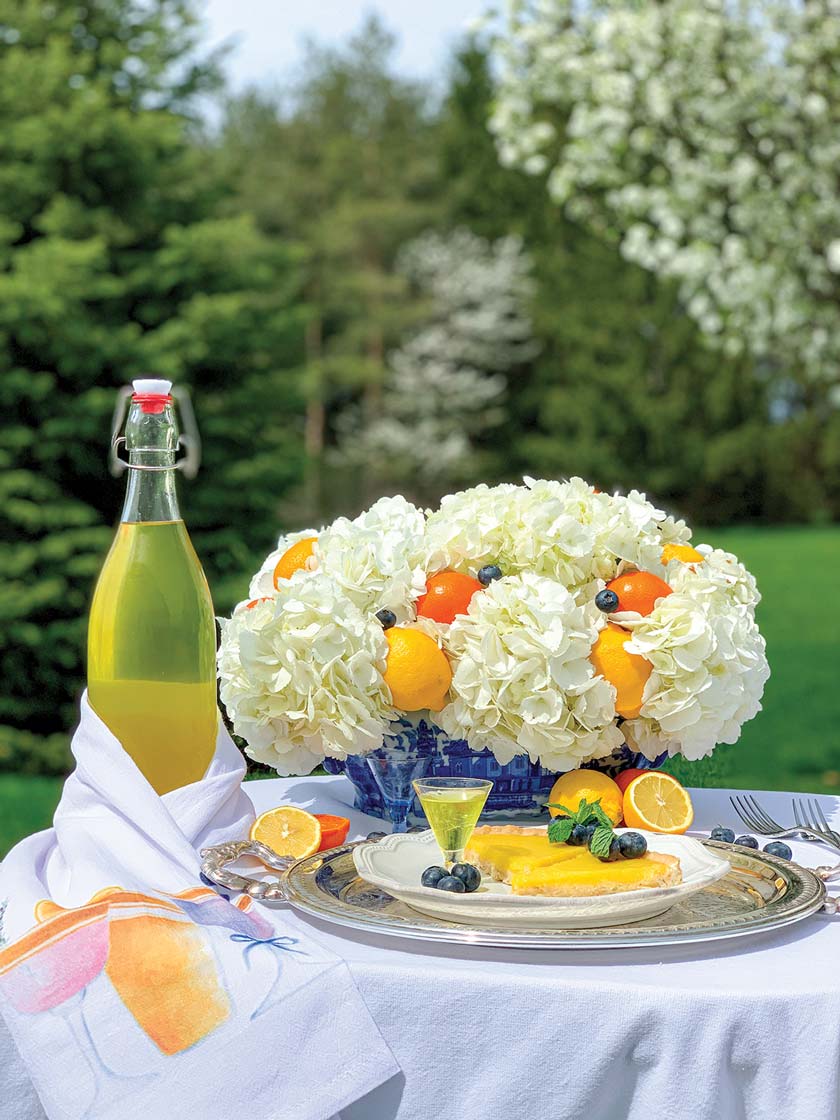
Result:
{"points": [[747, 1029]]}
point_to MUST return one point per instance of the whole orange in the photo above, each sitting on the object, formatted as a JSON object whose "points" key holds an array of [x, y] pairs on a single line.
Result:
{"points": [[638, 591], [624, 777], [293, 559], [447, 594], [627, 672], [683, 552]]}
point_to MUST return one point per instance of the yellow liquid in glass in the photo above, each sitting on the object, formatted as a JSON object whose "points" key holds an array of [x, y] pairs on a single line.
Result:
{"points": [[452, 816], [152, 652]]}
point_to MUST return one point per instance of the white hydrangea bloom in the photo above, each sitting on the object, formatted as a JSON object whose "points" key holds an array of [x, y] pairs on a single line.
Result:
{"points": [[523, 681], [301, 676], [377, 559], [719, 574], [560, 516], [263, 582], [709, 672], [472, 528], [564, 530]]}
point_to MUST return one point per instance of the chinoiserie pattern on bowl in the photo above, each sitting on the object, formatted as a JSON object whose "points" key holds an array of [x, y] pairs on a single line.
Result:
{"points": [[520, 787]]}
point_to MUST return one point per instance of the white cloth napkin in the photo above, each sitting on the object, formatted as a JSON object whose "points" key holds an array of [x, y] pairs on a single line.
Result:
{"points": [[133, 989]]}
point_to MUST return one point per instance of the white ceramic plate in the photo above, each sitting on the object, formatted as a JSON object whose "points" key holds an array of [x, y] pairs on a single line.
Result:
{"points": [[396, 863]]}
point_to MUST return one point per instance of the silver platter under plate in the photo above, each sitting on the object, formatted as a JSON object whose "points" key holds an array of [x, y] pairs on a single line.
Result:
{"points": [[760, 893]]}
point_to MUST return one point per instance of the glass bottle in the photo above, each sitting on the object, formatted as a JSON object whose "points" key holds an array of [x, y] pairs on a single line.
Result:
{"points": [[152, 636]]}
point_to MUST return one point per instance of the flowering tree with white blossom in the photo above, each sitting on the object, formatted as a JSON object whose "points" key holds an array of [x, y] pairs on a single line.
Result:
{"points": [[705, 136], [445, 384]]}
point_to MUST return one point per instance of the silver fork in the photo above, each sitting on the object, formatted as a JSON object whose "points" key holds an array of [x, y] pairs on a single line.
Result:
{"points": [[756, 818], [809, 814]]}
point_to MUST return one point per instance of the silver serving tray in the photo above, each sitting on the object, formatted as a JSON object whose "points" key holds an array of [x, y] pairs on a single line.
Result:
{"points": [[760, 893]]}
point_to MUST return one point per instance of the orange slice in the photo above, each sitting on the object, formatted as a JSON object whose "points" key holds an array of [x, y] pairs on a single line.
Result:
{"points": [[288, 831], [657, 802]]}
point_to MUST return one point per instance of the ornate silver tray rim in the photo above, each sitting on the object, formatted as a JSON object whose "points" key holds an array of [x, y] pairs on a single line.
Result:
{"points": [[781, 892]]}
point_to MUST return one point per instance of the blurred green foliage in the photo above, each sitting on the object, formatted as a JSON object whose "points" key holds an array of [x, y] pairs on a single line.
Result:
{"points": [[256, 265], [116, 258]]}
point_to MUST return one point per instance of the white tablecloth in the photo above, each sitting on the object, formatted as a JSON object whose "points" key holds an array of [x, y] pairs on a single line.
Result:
{"points": [[744, 1030]]}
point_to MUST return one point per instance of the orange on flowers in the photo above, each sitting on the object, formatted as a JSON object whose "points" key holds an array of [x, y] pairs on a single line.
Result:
{"points": [[447, 594], [293, 559], [638, 591], [682, 552], [627, 672]]}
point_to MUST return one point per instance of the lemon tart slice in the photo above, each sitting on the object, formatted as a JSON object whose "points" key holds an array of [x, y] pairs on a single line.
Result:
{"points": [[525, 860]]}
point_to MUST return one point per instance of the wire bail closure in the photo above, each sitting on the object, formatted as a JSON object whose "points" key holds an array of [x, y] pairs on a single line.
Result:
{"points": [[189, 440]]}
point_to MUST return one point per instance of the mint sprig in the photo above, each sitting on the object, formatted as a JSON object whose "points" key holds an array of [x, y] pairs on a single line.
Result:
{"points": [[601, 841], [560, 828]]}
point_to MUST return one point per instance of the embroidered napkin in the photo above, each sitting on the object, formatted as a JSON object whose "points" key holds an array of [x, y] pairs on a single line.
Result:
{"points": [[133, 989]]}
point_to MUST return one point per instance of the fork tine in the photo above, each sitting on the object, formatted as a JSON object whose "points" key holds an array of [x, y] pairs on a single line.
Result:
{"points": [[743, 812], [769, 824], [826, 827], [808, 817], [795, 806]]}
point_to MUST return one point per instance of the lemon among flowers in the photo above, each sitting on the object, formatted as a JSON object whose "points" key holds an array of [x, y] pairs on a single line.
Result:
{"points": [[546, 619]]}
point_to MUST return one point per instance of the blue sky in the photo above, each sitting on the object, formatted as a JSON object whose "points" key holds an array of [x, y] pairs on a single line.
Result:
{"points": [[268, 33]]}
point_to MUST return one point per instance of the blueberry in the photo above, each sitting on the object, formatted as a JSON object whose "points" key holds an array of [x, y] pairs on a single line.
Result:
{"points": [[432, 876], [777, 848], [726, 835], [632, 844], [470, 876], [580, 835], [746, 841], [387, 618], [488, 573], [451, 883], [375, 835], [606, 601], [614, 853]]}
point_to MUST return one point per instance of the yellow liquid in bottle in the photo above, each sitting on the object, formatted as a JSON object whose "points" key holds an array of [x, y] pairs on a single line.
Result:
{"points": [[452, 815], [152, 653]]}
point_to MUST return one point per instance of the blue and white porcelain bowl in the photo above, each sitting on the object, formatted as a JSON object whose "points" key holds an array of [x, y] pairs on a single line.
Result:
{"points": [[520, 787]]}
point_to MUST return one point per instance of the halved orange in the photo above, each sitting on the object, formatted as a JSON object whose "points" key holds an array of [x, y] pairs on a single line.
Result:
{"points": [[333, 831], [288, 831], [657, 802]]}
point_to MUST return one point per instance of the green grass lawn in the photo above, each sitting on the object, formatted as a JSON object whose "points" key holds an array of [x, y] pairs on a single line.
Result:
{"points": [[26, 805], [793, 744]]}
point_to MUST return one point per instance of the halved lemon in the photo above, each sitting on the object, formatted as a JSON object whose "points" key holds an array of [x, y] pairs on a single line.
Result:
{"points": [[658, 803], [288, 831]]}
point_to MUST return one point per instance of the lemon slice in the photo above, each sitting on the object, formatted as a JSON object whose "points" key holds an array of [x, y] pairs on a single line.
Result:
{"points": [[658, 803], [288, 831]]}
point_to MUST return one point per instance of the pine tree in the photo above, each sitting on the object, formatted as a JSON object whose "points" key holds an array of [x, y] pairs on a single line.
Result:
{"points": [[114, 263], [344, 165]]}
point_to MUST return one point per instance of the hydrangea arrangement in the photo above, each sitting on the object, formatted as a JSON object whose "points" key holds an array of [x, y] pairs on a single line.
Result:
{"points": [[546, 619]]}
